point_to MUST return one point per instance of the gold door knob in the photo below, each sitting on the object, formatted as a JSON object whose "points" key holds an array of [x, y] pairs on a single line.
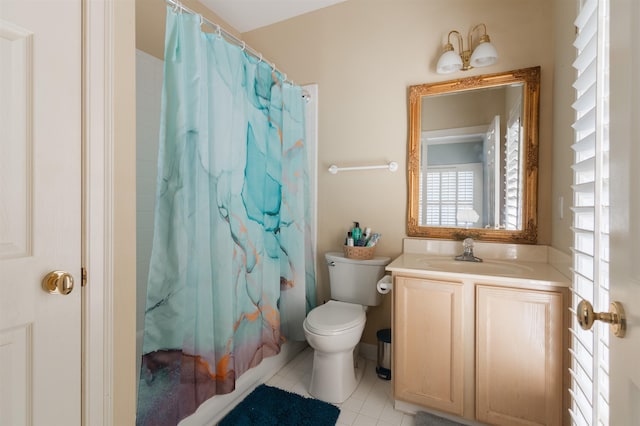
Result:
{"points": [[58, 282], [586, 317]]}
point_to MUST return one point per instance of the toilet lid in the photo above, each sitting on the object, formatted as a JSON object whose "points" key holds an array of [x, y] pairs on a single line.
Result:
{"points": [[334, 316]]}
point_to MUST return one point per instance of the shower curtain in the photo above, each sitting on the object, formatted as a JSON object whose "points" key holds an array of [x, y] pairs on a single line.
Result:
{"points": [[231, 273]]}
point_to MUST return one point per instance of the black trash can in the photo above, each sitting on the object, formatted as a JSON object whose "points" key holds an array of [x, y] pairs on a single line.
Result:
{"points": [[383, 367]]}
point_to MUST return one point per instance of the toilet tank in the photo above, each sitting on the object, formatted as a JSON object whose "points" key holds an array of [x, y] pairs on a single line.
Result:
{"points": [[354, 281]]}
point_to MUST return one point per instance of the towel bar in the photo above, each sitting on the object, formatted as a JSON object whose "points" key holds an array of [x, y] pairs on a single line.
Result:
{"points": [[392, 167]]}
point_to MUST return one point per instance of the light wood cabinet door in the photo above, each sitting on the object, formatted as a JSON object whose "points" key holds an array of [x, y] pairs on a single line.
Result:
{"points": [[428, 343], [519, 356]]}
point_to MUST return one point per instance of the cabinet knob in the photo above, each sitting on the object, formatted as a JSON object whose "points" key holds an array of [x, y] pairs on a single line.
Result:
{"points": [[616, 317]]}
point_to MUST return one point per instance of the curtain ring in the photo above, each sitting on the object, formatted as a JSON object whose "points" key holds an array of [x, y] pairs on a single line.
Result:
{"points": [[218, 31], [201, 20], [273, 67], [260, 57], [244, 46], [177, 7]]}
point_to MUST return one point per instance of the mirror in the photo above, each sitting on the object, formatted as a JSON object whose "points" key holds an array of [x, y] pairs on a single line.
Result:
{"points": [[473, 157]]}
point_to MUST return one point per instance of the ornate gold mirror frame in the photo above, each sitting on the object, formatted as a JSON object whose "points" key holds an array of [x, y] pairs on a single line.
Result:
{"points": [[530, 78]]}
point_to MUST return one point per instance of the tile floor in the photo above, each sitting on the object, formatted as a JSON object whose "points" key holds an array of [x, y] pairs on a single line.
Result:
{"points": [[369, 405]]}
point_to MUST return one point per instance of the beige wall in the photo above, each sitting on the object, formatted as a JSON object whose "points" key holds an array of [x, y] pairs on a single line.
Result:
{"points": [[150, 17], [563, 95], [364, 54], [475, 108]]}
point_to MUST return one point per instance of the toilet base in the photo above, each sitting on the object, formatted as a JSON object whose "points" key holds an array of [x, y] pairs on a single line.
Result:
{"points": [[335, 375]]}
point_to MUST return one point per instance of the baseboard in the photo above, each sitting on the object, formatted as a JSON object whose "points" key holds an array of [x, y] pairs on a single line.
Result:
{"points": [[214, 410], [368, 351]]}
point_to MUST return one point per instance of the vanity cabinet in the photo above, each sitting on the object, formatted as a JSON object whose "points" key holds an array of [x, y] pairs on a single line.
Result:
{"points": [[429, 348], [519, 352], [490, 352]]}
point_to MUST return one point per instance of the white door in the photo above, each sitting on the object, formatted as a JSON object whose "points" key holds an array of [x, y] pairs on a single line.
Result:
{"points": [[40, 211], [624, 365]]}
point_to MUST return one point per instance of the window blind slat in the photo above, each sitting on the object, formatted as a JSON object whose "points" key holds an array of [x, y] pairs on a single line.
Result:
{"points": [[587, 101], [587, 187], [586, 122], [587, 56], [589, 353], [584, 165], [586, 78], [582, 352], [587, 10], [583, 288], [587, 31], [587, 142], [581, 377]]}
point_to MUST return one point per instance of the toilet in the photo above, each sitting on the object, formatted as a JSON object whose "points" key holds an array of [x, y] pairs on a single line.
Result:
{"points": [[334, 329]]}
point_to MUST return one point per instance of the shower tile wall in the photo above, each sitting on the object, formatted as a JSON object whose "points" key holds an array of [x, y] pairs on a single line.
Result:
{"points": [[149, 71]]}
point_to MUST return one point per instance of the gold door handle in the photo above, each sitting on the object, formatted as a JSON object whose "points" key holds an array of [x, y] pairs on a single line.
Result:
{"points": [[616, 318], [58, 282]]}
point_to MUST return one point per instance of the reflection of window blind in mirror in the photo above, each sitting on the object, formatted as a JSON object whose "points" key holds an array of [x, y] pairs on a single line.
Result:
{"points": [[420, 198], [449, 190], [512, 187]]}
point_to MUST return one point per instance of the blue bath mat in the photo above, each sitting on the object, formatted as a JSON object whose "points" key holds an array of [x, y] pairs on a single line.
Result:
{"points": [[269, 406]]}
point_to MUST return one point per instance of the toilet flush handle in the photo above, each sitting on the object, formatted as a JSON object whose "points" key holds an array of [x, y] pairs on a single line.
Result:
{"points": [[332, 263]]}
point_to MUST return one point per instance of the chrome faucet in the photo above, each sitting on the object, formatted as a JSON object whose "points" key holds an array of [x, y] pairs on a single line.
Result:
{"points": [[467, 254]]}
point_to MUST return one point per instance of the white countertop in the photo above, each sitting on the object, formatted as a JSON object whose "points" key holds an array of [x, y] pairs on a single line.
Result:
{"points": [[499, 271]]}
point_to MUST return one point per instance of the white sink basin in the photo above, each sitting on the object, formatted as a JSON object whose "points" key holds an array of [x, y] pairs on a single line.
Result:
{"points": [[488, 267]]}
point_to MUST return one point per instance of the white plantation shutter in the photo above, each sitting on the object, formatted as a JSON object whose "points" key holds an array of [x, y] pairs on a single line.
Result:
{"points": [[420, 199], [512, 177], [448, 190], [589, 349]]}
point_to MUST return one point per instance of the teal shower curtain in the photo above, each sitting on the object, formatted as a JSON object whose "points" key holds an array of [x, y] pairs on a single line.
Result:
{"points": [[231, 273]]}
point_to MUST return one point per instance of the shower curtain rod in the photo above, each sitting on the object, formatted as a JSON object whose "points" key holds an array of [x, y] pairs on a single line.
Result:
{"points": [[224, 33]]}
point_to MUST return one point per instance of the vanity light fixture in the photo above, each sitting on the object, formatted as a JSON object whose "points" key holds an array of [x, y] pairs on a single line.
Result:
{"points": [[483, 55]]}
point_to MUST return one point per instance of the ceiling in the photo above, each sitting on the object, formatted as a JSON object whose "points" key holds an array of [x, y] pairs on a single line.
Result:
{"points": [[247, 15]]}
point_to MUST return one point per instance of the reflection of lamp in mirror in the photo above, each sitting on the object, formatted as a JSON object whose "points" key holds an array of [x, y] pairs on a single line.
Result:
{"points": [[468, 216], [483, 55]]}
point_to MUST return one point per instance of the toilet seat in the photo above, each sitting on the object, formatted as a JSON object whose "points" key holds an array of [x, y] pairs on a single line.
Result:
{"points": [[335, 317]]}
